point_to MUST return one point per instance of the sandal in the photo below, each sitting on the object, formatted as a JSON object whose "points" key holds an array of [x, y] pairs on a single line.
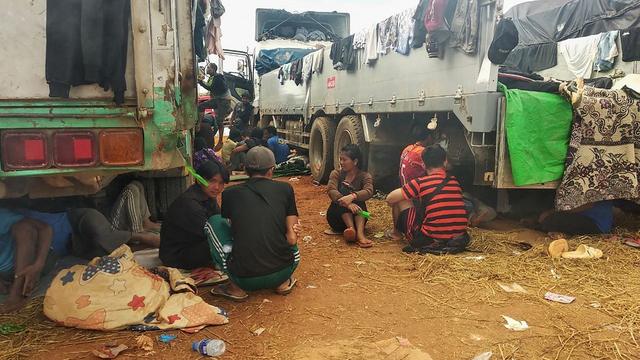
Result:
{"points": [[223, 290], [289, 288], [365, 245]]}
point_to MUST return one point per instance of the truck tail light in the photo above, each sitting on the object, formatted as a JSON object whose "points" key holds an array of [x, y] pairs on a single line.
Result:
{"points": [[74, 149], [121, 147], [24, 150]]}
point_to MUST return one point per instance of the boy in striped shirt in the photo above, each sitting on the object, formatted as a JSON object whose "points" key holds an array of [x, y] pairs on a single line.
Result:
{"points": [[438, 202]]}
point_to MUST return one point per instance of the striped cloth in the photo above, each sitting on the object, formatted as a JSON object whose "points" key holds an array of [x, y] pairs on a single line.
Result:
{"points": [[445, 215]]}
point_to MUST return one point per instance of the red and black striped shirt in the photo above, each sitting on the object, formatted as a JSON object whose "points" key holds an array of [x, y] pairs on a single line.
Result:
{"points": [[445, 215]]}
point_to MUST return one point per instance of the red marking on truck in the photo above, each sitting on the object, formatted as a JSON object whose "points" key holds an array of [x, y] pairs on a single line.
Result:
{"points": [[331, 82]]}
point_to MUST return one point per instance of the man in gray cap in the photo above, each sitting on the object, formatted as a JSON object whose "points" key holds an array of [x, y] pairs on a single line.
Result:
{"points": [[258, 249]]}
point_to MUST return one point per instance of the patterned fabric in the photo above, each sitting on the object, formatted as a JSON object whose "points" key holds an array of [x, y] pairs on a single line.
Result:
{"points": [[388, 35], [130, 209], [114, 292], [602, 161]]}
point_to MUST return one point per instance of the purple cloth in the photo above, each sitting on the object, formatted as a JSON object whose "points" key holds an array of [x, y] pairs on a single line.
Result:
{"points": [[204, 155]]}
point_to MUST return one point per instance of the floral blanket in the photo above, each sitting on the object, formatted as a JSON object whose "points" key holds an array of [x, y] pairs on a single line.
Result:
{"points": [[603, 156], [114, 292]]}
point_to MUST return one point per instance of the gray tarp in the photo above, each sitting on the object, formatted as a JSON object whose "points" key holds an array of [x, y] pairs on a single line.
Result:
{"points": [[546, 21]]}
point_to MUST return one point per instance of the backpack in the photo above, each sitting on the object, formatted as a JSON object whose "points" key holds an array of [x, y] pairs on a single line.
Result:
{"points": [[411, 165]]}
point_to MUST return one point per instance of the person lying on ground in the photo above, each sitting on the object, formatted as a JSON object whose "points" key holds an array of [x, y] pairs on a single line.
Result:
{"points": [[203, 153], [235, 136], [24, 250], [183, 243], [276, 144], [594, 218], [349, 188], [439, 221], [131, 213], [255, 239]]}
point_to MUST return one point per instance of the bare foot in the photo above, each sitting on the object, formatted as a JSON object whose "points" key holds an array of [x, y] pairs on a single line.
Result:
{"points": [[149, 225], [13, 304], [394, 235]]}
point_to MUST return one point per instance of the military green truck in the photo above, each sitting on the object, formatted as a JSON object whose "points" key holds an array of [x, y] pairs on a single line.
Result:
{"points": [[77, 146]]}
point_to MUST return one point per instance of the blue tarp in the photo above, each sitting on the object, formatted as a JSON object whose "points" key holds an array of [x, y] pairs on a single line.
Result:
{"points": [[272, 59]]}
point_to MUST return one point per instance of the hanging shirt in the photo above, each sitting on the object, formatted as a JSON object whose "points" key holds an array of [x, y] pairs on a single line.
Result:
{"points": [[405, 31], [607, 51], [388, 35], [580, 54], [318, 61], [371, 45], [630, 42]]}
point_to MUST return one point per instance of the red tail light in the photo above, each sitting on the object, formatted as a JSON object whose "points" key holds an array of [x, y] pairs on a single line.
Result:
{"points": [[75, 149], [24, 150], [122, 147]]}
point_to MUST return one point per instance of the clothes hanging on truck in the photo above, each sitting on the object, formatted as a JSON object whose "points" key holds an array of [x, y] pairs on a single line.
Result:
{"points": [[343, 54], [419, 31], [580, 54], [464, 26], [607, 51], [87, 43], [405, 31], [388, 35], [602, 159], [630, 43], [534, 57]]}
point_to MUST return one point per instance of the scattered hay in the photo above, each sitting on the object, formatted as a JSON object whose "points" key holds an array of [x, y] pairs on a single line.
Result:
{"points": [[40, 331]]}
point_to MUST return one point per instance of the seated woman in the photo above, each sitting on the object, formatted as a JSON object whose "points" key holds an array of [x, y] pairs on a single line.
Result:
{"points": [[348, 190], [183, 243]]}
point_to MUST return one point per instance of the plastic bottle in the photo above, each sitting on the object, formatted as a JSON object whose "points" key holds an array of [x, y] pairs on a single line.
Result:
{"points": [[209, 347], [364, 214]]}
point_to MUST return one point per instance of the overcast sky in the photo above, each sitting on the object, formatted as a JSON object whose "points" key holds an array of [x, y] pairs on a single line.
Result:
{"points": [[238, 27]]}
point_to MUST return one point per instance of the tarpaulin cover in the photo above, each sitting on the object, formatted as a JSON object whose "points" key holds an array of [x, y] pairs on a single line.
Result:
{"points": [[546, 21], [538, 126], [272, 59]]}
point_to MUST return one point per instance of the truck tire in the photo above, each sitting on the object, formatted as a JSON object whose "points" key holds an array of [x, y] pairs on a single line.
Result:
{"points": [[323, 132], [167, 190], [349, 131]]}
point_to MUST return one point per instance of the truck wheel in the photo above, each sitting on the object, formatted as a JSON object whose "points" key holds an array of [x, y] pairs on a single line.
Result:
{"points": [[321, 148], [167, 190], [349, 131]]}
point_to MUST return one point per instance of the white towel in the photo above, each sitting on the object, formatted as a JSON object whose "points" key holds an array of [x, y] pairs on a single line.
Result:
{"points": [[580, 54]]}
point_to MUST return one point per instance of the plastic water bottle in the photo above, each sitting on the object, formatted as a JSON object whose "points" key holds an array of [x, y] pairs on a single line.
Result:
{"points": [[208, 347]]}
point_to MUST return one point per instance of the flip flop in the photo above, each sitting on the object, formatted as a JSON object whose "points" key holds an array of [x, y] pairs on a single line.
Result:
{"points": [[331, 232], [349, 235], [583, 252], [558, 247], [365, 245], [634, 243], [222, 290], [289, 288]]}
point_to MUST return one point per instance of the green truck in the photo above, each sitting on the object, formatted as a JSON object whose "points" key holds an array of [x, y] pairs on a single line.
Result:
{"points": [[81, 145]]}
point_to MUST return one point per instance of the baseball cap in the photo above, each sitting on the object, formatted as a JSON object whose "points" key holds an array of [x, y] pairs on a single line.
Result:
{"points": [[260, 158], [505, 38]]}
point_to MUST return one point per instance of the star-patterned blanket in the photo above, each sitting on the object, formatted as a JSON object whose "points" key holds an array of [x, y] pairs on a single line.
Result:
{"points": [[114, 293]]}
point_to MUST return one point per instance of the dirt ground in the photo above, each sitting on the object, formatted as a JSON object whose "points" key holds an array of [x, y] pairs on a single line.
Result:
{"points": [[450, 307]]}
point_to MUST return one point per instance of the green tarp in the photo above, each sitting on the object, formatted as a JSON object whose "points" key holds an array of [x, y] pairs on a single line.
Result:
{"points": [[538, 128]]}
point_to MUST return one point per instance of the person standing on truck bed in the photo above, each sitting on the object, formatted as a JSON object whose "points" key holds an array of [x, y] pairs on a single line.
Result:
{"points": [[348, 189], [220, 98]]}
